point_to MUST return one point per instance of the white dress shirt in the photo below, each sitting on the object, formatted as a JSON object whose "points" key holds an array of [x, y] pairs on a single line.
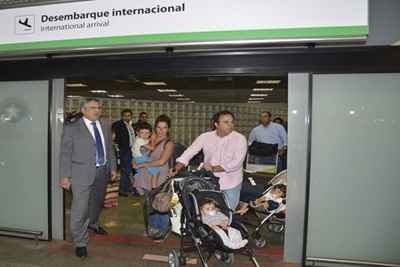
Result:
{"points": [[89, 125]]}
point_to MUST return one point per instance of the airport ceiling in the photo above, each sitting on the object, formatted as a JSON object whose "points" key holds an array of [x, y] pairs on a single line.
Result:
{"points": [[241, 89], [5, 4]]}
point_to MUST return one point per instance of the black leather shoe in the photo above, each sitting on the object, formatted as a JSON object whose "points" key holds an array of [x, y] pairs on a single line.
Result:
{"points": [[81, 252], [99, 230]]}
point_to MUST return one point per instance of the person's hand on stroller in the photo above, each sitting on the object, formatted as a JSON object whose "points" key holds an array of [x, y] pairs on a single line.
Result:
{"points": [[243, 208], [174, 171], [208, 167]]}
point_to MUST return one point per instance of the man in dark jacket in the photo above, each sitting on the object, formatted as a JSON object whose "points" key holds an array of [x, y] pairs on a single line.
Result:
{"points": [[142, 120], [124, 138]]}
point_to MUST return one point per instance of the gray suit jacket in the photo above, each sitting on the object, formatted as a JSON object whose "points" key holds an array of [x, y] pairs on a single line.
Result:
{"points": [[78, 152]]}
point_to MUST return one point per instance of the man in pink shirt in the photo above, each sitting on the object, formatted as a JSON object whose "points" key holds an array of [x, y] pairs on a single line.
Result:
{"points": [[224, 152]]}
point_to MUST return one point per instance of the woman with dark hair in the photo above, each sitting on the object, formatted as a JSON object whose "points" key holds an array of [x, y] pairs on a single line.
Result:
{"points": [[157, 225]]}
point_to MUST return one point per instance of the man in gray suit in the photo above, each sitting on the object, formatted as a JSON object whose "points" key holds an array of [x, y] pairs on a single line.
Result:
{"points": [[87, 163]]}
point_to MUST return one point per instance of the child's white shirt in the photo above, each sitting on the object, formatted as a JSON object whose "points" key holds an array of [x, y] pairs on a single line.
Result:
{"points": [[139, 142], [279, 200]]}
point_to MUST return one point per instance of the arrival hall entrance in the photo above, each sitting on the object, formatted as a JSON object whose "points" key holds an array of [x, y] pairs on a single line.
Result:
{"points": [[190, 103], [347, 59]]}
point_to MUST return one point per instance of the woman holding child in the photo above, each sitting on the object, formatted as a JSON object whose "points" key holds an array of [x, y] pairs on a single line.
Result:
{"points": [[153, 170]]}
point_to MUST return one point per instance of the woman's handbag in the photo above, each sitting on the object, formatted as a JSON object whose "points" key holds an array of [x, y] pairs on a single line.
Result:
{"points": [[161, 196]]}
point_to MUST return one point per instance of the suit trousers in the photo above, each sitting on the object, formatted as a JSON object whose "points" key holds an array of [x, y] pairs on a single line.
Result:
{"points": [[126, 171], [87, 203]]}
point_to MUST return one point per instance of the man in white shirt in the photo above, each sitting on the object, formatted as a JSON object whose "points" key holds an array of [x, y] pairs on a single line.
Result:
{"points": [[269, 132]]}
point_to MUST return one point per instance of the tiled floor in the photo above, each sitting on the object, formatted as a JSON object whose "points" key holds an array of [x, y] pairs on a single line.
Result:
{"points": [[124, 246], [116, 251]]}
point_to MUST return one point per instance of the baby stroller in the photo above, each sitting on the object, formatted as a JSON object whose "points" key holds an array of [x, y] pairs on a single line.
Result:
{"points": [[195, 235], [273, 218]]}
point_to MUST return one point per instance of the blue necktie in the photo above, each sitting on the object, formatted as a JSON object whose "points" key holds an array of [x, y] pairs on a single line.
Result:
{"points": [[99, 146]]}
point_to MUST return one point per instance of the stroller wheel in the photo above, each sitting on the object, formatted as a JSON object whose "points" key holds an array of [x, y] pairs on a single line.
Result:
{"points": [[260, 242], [173, 259]]}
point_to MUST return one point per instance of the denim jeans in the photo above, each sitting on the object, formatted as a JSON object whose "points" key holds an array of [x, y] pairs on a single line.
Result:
{"points": [[159, 221], [233, 195], [126, 172]]}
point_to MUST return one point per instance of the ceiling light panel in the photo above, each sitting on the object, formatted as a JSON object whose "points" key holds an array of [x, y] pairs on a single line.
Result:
{"points": [[268, 82], [76, 85], [166, 90], [258, 95], [98, 91], [116, 96], [155, 83], [263, 89]]}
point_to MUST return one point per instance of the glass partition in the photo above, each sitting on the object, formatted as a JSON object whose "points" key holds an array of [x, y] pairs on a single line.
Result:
{"points": [[354, 180], [24, 156]]}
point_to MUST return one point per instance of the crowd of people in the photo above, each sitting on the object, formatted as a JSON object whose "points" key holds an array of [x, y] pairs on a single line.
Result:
{"points": [[147, 156]]}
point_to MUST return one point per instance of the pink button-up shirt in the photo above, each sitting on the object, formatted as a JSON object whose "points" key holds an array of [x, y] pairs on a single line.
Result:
{"points": [[228, 152]]}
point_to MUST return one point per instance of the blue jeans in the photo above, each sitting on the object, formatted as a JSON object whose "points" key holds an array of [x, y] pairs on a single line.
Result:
{"points": [[126, 171], [159, 221], [233, 195]]}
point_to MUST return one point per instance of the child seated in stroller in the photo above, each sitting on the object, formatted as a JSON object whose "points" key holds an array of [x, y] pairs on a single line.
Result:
{"points": [[273, 199], [219, 222]]}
